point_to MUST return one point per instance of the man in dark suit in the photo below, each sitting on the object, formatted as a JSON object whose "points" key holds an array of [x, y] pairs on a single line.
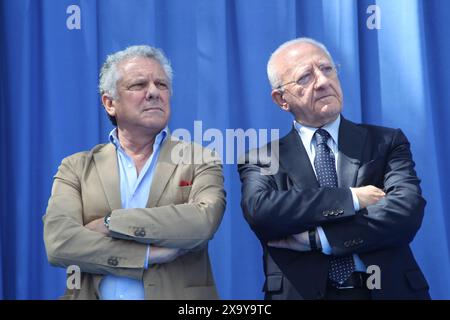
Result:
{"points": [[345, 199]]}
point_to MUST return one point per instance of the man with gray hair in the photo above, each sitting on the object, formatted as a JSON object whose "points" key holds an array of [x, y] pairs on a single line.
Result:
{"points": [[134, 221], [336, 220]]}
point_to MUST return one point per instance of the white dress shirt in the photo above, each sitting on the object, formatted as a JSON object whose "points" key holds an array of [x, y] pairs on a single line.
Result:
{"points": [[134, 192]]}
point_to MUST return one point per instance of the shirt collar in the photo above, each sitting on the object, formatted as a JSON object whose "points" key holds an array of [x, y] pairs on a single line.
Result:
{"points": [[307, 133], [114, 139]]}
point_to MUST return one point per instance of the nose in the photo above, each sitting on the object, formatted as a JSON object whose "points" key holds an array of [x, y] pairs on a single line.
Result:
{"points": [[321, 80], [152, 91]]}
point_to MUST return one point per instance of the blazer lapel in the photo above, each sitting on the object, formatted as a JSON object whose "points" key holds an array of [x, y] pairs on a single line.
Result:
{"points": [[163, 171], [294, 159], [351, 143], [108, 170]]}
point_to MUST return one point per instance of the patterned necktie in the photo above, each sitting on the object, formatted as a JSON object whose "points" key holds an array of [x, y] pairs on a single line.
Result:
{"points": [[340, 267]]}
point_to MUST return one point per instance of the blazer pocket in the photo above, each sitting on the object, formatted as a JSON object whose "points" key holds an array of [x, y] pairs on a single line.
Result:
{"points": [[416, 280], [273, 283], [201, 293]]}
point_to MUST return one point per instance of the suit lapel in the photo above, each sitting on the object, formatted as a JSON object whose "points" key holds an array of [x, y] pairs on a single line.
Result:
{"points": [[294, 159], [108, 170], [351, 144], [163, 171]]}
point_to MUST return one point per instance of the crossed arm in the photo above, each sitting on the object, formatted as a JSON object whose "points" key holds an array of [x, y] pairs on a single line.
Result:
{"points": [[171, 229], [386, 217], [155, 254], [367, 195]]}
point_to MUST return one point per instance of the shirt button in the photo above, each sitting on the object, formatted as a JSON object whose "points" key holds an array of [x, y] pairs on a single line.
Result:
{"points": [[130, 166]]}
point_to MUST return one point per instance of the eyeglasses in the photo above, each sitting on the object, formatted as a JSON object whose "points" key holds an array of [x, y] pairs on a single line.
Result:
{"points": [[310, 75]]}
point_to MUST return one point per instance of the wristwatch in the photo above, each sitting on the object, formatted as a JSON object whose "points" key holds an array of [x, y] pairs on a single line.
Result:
{"points": [[106, 220], [314, 240]]}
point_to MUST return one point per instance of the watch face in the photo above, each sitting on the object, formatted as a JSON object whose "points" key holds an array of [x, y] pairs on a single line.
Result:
{"points": [[106, 221]]}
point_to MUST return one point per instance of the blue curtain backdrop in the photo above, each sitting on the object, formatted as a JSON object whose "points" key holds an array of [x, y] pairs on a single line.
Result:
{"points": [[394, 76]]}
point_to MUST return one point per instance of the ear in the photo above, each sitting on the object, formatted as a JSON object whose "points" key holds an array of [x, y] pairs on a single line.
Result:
{"points": [[278, 98], [109, 105]]}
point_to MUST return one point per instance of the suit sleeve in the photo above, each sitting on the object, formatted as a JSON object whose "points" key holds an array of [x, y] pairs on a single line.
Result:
{"points": [[275, 212], [395, 219], [188, 225], [68, 242]]}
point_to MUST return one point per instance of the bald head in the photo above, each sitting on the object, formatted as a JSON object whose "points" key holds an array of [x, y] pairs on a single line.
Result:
{"points": [[286, 53]]}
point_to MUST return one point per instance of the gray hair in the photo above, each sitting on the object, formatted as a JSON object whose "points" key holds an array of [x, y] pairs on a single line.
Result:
{"points": [[109, 74], [272, 72]]}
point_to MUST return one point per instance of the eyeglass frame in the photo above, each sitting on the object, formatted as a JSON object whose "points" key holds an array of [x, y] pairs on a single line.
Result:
{"points": [[336, 68]]}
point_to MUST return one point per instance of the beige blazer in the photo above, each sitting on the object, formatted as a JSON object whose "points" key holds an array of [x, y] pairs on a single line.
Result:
{"points": [[86, 187]]}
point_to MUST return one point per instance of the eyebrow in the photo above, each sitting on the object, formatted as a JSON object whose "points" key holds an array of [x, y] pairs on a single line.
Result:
{"points": [[141, 78]]}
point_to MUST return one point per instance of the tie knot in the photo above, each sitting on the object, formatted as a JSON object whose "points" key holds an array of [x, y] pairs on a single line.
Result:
{"points": [[322, 136]]}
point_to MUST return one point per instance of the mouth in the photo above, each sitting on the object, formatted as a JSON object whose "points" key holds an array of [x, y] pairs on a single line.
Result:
{"points": [[153, 109], [324, 97]]}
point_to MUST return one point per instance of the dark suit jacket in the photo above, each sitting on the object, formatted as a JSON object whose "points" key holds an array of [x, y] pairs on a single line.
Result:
{"points": [[290, 201]]}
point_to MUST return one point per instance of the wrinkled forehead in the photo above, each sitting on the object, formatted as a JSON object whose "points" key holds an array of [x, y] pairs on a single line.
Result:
{"points": [[300, 55], [140, 66]]}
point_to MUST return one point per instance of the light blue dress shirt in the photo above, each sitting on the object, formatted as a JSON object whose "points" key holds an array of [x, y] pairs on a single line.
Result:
{"points": [[309, 142], [134, 192]]}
